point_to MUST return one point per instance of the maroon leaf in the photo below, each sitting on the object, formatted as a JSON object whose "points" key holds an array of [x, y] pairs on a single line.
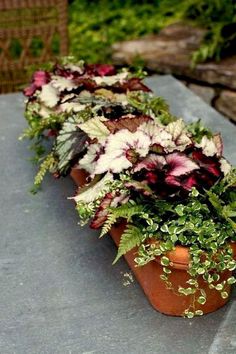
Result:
{"points": [[210, 164], [110, 200], [102, 212], [100, 69], [86, 83], [133, 84], [150, 162], [180, 164], [126, 122]]}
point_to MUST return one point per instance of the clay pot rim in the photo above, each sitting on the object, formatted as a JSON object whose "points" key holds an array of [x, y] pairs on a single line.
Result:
{"points": [[180, 257]]}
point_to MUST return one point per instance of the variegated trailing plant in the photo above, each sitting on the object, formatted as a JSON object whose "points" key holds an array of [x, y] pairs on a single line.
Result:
{"points": [[171, 185]]}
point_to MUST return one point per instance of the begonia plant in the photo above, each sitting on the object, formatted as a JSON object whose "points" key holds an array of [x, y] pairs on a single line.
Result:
{"points": [[68, 94]]}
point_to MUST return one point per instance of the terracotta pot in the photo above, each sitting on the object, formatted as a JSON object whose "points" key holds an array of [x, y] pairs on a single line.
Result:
{"points": [[79, 176], [162, 299], [165, 300]]}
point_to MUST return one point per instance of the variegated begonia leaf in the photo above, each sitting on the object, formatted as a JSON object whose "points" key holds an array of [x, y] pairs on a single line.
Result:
{"points": [[68, 97], [89, 161], [140, 187], [62, 83], [218, 143], [179, 135], [75, 68], [72, 107], [102, 211], [110, 200], [49, 95], [95, 128], [225, 166], [179, 164], [104, 93], [151, 162], [111, 80], [45, 112], [158, 135], [111, 96], [212, 146], [122, 149], [70, 143], [92, 193], [208, 146]]}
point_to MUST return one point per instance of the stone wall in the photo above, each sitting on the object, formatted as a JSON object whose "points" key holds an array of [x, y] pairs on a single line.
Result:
{"points": [[170, 52], [222, 99]]}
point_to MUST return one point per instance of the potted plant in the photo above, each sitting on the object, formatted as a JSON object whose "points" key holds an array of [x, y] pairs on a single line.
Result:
{"points": [[167, 196], [67, 94], [159, 186]]}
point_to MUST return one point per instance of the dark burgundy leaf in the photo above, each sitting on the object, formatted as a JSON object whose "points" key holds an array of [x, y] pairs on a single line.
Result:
{"points": [[126, 122]]}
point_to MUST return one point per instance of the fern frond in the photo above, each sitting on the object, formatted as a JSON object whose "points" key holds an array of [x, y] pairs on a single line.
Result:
{"points": [[47, 165], [131, 237], [36, 130], [127, 211], [111, 219]]}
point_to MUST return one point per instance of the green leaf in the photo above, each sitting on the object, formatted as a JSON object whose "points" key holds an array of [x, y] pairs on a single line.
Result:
{"points": [[198, 312], [189, 314], [191, 281], [200, 270], [201, 300], [165, 261], [165, 228], [166, 270], [219, 287], [224, 295], [231, 280], [94, 128], [180, 210], [131, 237]]}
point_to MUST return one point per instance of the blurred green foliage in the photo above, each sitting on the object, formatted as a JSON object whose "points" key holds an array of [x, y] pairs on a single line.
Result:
{"points": [[94, 25]]}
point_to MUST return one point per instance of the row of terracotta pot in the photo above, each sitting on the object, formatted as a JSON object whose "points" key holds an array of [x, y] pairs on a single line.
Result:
{"points": [[162, 298]]}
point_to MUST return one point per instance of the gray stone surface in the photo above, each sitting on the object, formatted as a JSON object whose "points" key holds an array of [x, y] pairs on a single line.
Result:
{"points": [[59, 293], [205, 92]]}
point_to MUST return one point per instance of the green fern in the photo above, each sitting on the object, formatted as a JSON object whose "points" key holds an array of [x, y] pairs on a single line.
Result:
{"points": [[111, 219], [48, 164], [131, 237], [225, 211], [126, 211], [37, 127]]}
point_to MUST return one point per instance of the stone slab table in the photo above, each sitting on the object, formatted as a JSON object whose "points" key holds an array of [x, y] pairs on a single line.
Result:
{"points": [[59, 293]]}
